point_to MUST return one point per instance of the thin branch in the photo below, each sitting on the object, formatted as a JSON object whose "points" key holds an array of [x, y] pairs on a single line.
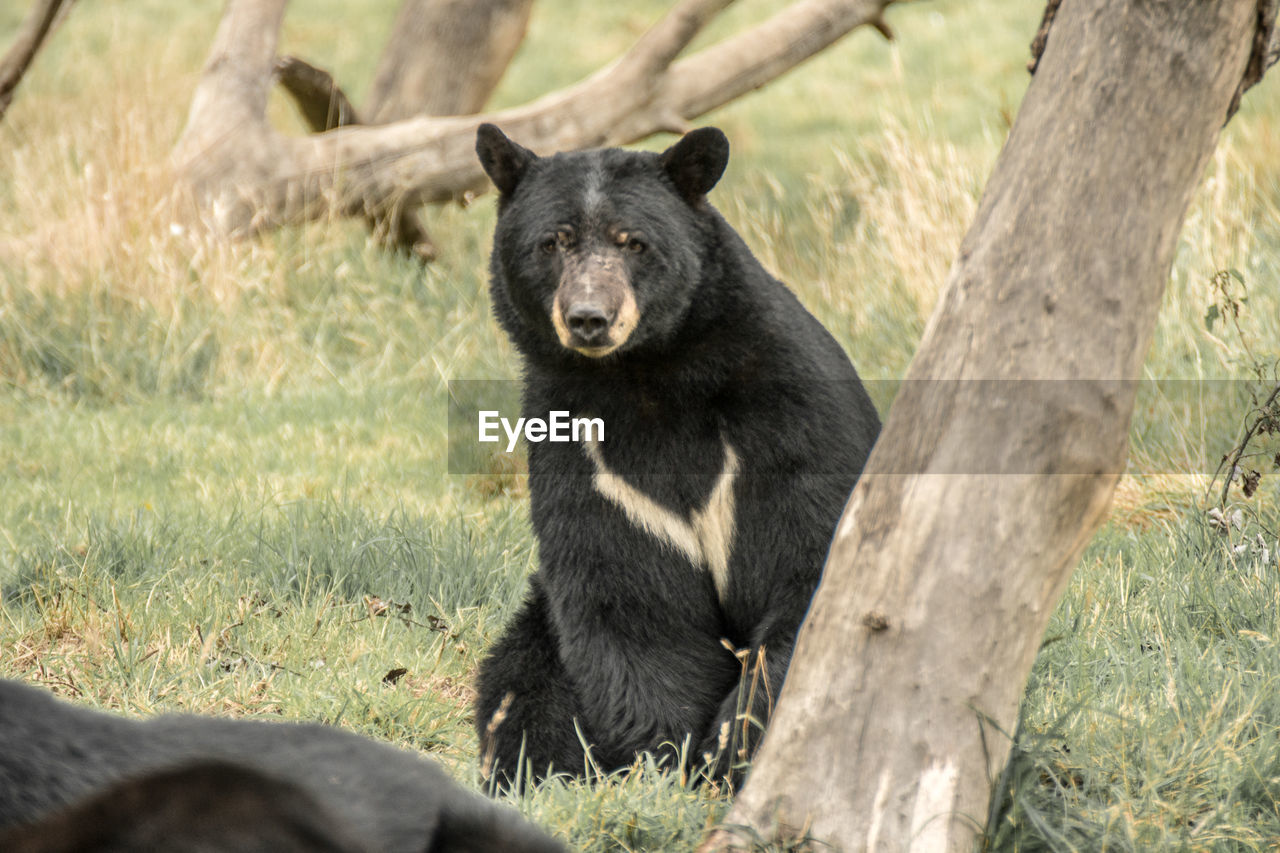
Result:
{"points": [[32, 33], [1232, 461]]}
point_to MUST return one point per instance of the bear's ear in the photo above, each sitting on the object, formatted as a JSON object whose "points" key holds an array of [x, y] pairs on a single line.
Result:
{"points": [[504, 161], [697, 161]]}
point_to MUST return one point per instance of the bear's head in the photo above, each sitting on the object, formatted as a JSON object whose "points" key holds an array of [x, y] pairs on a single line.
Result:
{"points": [[599, 253]]}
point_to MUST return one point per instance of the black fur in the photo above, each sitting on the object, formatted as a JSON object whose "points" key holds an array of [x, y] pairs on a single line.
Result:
{"points": [[209, 807], [620, 642], [361, 794]]}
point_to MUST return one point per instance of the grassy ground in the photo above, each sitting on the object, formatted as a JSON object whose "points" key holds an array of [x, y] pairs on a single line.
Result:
{"points": [[224, 484]]}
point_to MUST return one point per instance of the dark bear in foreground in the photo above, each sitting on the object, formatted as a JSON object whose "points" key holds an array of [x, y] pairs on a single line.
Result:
{"points": [[75, 779], [734, 430], [200, 808]]}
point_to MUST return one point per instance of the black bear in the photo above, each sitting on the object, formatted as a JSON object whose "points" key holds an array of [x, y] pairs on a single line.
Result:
{"points": [[691, 538], [329, 790], [212, 807]]}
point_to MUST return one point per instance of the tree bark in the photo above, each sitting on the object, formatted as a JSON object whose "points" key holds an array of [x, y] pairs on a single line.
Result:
{"points": [[445, 57], [979, 497], [242, 176], [35, 29], [227, 151]]}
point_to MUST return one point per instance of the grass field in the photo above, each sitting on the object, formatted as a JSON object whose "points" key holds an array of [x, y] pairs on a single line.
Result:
{"points": [[223, 475]]}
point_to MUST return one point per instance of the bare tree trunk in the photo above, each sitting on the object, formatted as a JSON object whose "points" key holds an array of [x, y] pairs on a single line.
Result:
{"points": [[445, 57], [35, 29], [979, 497], [242, 176], [227, 153]]}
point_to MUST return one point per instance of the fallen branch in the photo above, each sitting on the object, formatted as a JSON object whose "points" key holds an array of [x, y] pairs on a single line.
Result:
{"points": [[244, 176], [324, 107]]}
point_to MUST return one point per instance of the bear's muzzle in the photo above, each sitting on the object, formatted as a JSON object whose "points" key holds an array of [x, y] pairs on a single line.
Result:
{"points": [[594, 311]]}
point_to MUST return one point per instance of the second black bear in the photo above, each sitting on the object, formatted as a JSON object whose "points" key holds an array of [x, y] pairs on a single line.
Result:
{"points": [[734, 430], [76, 779], [207, 807]]}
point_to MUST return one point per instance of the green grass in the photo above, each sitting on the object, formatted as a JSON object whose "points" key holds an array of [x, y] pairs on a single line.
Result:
{"points": [[1153, 715], [224, 481]]}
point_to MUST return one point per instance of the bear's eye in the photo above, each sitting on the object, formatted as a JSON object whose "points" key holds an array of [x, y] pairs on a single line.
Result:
{"points": [[635, 245], [548, 245]]}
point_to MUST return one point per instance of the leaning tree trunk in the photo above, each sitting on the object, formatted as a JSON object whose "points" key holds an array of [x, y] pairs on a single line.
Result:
{"points": [[445, 57], [979, 497]]}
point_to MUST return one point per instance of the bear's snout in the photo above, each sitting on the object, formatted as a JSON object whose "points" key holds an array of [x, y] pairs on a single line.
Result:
{"points": [[588, 324], [594, 311]]}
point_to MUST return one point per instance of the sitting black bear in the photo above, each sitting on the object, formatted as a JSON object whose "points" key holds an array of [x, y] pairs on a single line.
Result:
{"points": [[734, 430]]}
